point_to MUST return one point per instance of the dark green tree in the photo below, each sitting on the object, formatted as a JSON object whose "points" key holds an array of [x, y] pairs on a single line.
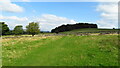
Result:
{"points": [[33, 28], [4, 29], [18, 30], [70, 27]]}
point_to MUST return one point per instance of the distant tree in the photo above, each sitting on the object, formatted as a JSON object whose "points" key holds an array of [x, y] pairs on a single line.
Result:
{"points": [[113, 28], [24, 31], [33, 28], [0, 29], [18, 30], [4, 29], [10, 32], [69, 27]]}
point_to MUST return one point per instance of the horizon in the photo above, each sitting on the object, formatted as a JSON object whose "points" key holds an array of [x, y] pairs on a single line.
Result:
{"points": [[71, 24]]}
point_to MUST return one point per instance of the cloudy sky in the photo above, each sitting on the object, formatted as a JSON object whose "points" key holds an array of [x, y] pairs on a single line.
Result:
{"points": [[53, 14]]}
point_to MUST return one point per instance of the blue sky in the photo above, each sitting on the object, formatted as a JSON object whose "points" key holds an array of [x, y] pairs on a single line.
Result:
{"points": [[53, 14], [79, 11]]}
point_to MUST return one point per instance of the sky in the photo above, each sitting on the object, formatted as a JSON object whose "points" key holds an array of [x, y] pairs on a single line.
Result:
{"points": [[53, 14]]}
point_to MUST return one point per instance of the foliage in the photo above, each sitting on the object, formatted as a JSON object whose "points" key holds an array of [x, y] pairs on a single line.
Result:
{"points": [[69, 27], [4, 29], [33, 28], [18, 30]]}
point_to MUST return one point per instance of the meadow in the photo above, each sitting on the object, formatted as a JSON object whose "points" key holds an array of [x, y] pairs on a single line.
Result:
{"points": [[90, 30], [70, 50]]}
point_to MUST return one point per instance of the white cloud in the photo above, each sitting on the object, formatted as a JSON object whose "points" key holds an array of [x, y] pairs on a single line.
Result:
{"points": [[14, 18], [12, 21], [6, 5], [104, 24], [108, 7], [109, 15], [49, 21]]}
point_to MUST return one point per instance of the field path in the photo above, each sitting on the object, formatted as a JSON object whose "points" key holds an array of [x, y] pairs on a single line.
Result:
{"points": [[66, 51], [48, 54]]}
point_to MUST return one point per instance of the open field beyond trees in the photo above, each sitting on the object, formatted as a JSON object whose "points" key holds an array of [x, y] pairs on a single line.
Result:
{"points": [[71, 50]]}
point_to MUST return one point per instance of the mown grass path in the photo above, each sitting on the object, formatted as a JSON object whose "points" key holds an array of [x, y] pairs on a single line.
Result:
{"points": [[62, 51]]}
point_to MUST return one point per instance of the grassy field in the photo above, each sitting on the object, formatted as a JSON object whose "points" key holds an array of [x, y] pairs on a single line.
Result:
{"points": [[89, 30], [26, 35], [0, 52], [69, 50]]}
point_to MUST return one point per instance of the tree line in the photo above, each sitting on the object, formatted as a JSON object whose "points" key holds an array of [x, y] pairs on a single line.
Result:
{"points": [[69, 27], [32, 28]]}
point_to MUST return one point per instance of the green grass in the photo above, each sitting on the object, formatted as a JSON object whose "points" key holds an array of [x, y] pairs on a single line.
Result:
{"points": [[13, 35], [61, 51], [88, 30], [24, 35], [0, 53]]}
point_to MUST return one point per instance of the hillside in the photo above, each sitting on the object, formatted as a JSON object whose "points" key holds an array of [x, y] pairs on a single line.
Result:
{"points": [[69, 27], [90, 30]]}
